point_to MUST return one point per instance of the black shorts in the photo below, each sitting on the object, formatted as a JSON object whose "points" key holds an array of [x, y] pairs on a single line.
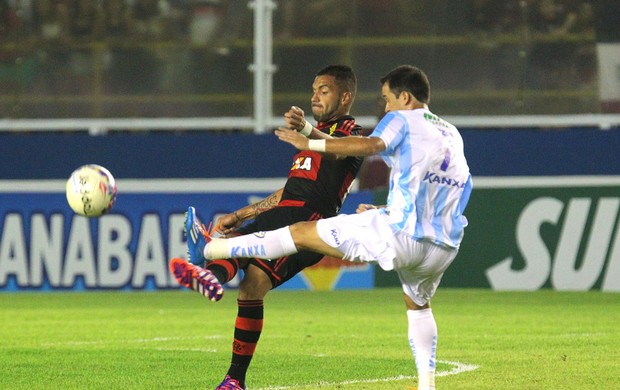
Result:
{"points": [[282, 269]]}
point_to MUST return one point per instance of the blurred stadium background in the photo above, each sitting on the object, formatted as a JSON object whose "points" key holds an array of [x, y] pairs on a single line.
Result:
{"points": [[176, 98], [188, 58]]}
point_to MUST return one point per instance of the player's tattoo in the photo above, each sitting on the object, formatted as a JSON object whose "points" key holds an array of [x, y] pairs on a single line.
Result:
{"points": [[268, 203]]}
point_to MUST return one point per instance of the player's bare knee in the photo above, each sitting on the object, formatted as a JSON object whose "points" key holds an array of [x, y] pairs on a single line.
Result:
{"points": [[255, 284], [411, 305], [302, 234]]}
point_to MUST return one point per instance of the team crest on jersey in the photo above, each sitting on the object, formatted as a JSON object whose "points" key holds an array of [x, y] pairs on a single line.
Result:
{"points": [[303, 163], [333, 129]]}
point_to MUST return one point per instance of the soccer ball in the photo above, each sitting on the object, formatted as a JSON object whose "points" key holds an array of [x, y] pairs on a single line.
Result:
{"points": [[91, 190]]}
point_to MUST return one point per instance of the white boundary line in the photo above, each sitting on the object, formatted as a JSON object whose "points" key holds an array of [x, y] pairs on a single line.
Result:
{"points": [[133, 341], [245, 185], [458, 368]]}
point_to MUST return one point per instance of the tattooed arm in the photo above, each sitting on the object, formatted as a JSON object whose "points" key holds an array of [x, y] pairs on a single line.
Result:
{"points": [[229, 222]]}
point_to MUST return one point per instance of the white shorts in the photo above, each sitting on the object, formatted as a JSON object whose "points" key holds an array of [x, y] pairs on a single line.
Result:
{"points": [[369, 237]]}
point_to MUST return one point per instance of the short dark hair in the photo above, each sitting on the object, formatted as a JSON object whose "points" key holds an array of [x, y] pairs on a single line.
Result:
{"points": [[344, 76], [410, 79]]}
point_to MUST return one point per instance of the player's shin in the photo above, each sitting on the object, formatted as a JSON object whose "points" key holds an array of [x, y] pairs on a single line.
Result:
{"points": [[423, 341], [262, 245]]}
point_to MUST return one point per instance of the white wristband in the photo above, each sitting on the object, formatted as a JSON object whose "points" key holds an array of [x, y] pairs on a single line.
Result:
{"points": [[317, 145], [307, 129]]}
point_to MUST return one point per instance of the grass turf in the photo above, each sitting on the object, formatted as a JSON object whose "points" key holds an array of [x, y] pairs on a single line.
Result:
{"points": [[311, 340]]}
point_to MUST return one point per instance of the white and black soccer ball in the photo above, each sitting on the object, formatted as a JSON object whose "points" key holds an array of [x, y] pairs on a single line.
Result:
{"points": [[91, 190]]}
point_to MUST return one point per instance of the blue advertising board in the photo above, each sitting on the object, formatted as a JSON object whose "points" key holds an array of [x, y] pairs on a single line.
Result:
{"points": [[45, 246], [572, 172]]}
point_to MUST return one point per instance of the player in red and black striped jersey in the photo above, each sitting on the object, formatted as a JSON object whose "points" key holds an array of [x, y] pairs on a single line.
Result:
{"points": [[317, 185], [321, 182]]}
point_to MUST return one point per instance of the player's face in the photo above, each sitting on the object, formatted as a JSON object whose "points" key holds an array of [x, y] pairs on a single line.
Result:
{"points": [[326, 99], [392, 102]]}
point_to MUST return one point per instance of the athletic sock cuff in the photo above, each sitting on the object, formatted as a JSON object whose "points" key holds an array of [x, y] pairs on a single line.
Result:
{"points": [[286, 240]]}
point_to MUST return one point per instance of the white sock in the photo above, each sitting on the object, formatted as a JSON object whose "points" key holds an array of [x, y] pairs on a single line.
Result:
{"points": [[423, 341], [262, 245]]}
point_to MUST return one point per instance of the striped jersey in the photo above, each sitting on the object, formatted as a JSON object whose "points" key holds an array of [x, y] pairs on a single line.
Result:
{"points": [[319, 181], [430, 181]]}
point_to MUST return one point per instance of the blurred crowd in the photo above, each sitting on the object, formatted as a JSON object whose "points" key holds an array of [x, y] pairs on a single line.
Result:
{"points": [[144, 46], [96, 20], [201, 20], [68, 41]]}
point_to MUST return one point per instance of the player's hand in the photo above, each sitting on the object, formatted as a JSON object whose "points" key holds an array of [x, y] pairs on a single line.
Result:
{"points": [[292, 137], [228, 223], [294, 119], [365, 207]]}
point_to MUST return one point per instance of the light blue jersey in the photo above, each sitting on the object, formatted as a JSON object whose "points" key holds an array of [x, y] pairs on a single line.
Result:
{"points": [[430, 181]]}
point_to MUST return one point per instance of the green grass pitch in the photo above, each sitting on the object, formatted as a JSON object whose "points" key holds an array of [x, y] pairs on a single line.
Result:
{"points": [[311, 340]]}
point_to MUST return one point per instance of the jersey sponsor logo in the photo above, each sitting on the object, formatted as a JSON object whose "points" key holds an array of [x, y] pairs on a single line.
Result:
{"points": [[306, 165], [587, 250], [302, 162], [443, 180], [437, 121]]}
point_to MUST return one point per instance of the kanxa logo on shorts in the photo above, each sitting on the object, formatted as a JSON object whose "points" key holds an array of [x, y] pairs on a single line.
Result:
{"points": [[334, 234]]}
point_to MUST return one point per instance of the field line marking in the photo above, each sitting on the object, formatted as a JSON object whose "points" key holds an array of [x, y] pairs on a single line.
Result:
{"points": [[457, 368], [188, 350], [135, 341]]}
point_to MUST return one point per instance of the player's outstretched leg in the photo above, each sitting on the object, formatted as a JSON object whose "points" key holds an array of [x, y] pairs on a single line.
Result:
{"points": [[229, 384], [197, 237], [198, 279]]}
